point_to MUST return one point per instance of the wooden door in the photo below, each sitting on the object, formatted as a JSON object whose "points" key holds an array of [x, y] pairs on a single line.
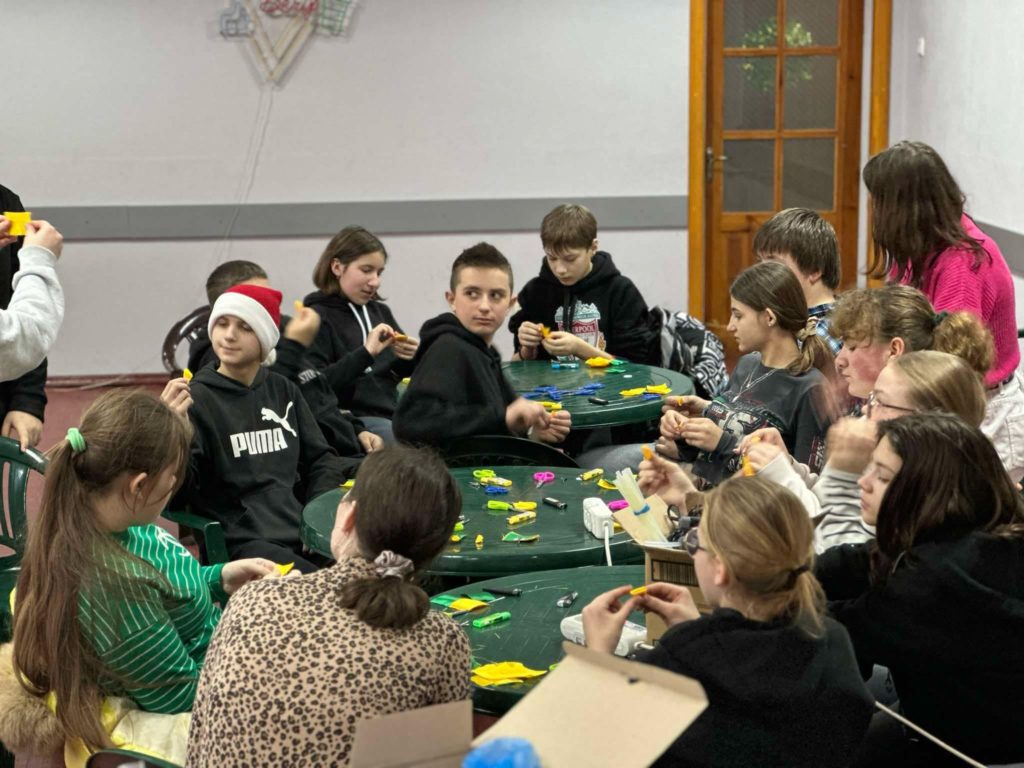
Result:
{"points": [[782, 129]]}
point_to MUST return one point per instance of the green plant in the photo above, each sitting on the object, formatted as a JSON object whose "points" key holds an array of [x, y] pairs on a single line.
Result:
{"points": [[760, 71]]}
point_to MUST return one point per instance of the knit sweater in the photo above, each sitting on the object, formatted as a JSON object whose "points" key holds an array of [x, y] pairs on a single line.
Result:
{"points": [[155, 636]]}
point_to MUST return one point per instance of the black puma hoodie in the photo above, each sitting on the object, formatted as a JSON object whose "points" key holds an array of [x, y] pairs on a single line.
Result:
{"points": [[458, 388], [257, 457]]}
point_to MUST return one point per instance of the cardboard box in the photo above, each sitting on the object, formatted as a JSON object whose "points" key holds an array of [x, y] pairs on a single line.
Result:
{"points": [[563, 717]]}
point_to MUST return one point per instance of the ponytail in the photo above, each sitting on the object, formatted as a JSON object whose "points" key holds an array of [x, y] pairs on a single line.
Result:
{"points": [[814, 352], [386, 600], [963, 335]]}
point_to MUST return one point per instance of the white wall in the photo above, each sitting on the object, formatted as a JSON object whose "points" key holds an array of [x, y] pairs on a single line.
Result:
{"points": [[122, 102]]}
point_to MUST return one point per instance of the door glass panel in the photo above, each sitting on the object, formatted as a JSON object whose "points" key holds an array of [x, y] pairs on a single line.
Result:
{"points": [[811, 22], [810, 93], [808, 173], [750, 24], [749, 94], [747, 175]]}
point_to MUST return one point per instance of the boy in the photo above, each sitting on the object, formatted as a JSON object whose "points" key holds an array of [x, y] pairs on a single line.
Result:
{"points": [[257, 454], [807, 244], [458, 388], [590, 307], [344, 433]]}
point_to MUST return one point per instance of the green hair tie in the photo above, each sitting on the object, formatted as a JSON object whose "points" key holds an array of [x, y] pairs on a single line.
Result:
{"points": [[76, 440]]}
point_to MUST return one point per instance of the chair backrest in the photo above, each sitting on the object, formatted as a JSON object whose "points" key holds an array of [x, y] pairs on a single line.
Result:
{"points": [[124, 758], [16, 466], [187, 328], [485, 450]]}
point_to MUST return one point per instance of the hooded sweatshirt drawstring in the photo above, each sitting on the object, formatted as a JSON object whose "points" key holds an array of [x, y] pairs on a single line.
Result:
{"points": [[365, 328]]}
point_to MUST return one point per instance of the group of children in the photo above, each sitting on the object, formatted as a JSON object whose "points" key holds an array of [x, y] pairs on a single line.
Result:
{"points": [[908, 510]]}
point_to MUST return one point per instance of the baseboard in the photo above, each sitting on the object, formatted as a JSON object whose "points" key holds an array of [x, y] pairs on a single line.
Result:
{"points": [[97, 381]]}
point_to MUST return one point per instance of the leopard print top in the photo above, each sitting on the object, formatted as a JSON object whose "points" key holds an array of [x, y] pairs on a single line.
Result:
{"points": [[289, 672]]}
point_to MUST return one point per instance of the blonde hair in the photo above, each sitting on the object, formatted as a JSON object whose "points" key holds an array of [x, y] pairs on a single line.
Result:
{"points": [[940, 381], [761, 533]]}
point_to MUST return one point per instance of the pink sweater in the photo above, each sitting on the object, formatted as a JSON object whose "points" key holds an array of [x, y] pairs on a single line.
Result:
{"points": [[952, 284]]}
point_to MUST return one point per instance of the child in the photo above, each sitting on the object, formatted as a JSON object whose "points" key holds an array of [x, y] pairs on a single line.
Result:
{"points": [[803, 241], [776, 383], [781, 678], [362, 329], [257, 454], [343, 433], [938, 597], [109, 604], [306, 661], [458, 388], [590, 307]]}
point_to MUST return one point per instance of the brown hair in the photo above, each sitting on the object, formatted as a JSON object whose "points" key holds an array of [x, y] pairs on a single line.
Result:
{"points": [[916, 207], [761, 533], [69, 556], [230, 274], [770, 285], [891, 311], [568, 226], [408, 503], [481, 256], [345, 247], [951, 483], [808, 238], [940, 381]]}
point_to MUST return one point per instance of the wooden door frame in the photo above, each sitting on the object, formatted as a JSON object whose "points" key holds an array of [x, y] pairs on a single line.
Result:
{"points": [[878, 133]]}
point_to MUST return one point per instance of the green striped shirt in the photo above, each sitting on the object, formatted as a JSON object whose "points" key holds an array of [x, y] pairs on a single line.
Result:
{"points": [[153, 637]]}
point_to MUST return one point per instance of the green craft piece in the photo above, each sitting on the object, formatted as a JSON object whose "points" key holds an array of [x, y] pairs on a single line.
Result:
{"points": [[518, 538], [487, 597], [445, 600]]}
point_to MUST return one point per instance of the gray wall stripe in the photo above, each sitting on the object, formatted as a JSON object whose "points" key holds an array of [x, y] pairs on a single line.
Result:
{"points": [[177, 222], [1010, 243]]}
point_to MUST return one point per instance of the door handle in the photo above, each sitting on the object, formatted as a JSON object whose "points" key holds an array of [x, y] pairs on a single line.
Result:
{"points": [[709, 162]]}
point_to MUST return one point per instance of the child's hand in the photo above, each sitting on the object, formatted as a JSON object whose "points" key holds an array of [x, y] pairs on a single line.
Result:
{"points": [[530, 335], [667, 447], [557, 430], [303, 326], [760, 455], [691, 405], [380, 338], [850, 443], [177, 396], [769, 435], [604, 618], [561, 344], [5, 226], [702, 433], [406, 348], [369, 441], [671, 425], [674, 603], [664, 478], [522, 414], [43, 234], [23, 427], [238, 573]]}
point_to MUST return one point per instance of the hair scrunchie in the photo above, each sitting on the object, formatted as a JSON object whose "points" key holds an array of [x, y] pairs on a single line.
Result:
{"points": [[391, 565], [75, 440], [938, 318], [810, 327], [795, 574]]}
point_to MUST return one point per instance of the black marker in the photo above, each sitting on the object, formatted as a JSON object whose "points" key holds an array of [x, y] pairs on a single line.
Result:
{"points": [[553, 502], [516, 592], [567, 599], [597, 400]]}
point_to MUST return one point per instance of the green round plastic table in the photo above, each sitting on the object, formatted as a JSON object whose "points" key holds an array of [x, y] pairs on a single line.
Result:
{"points": [[526, 375], [563, 543], [533, 635]]}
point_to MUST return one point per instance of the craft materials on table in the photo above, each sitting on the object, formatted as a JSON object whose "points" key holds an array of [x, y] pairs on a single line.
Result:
{"points": [[504, 673], [542, 478]]}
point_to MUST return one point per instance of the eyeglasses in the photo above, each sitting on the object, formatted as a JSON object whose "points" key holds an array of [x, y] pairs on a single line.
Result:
{"points": [[873, 402], [691, 542]]}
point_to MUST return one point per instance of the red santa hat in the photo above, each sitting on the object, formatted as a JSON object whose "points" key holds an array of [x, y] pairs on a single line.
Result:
{"points": [[259, 307]]}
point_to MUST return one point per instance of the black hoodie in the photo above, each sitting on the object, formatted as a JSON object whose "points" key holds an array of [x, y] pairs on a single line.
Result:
{"points": [[604, 304], [257, 457], [458, 388], [341, 432], [340, 353], [776, 695]]}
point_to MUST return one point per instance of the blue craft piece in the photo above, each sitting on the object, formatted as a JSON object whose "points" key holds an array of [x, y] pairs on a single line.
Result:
{"points": [[495, 490], [650, 396]]}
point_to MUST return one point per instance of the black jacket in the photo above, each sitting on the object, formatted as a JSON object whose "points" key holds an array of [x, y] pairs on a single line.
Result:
{"points": [[458, 388], [605, 302], [28, 392], [257, 457], [340, 431], [339, 351], [776, 695], [948, 623]]}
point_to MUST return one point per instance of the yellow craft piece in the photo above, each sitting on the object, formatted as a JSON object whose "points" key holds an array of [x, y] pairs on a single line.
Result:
{"points": [[18, 221], [598, 362], [659, 389], [522, 517], [633, 392], [545, 331], [507, 670], [400, 337], [298, 305], [285, 568], [406, 380], [186, 375], [551, 406], [479, 540], [483, 682], [465, 604], [348, 484], [647, 452], [524, 506], [456, 538], [608, 485]]}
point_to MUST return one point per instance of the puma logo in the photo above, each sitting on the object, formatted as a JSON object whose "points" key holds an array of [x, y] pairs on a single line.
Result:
{"points": [[269, 415]]}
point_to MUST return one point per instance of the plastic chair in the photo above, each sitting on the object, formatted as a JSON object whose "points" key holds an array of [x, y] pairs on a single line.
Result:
{"points": [[209, 534], [113, 758], [187, 328], [481, 450]]}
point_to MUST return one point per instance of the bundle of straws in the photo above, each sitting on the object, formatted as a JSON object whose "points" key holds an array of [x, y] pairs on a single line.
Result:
{"points": [[626, 483]]}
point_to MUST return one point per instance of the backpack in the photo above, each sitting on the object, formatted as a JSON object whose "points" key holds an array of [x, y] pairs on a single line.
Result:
{"points": [[688, 347]]}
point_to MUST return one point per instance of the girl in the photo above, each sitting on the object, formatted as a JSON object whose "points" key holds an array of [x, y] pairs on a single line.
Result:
{"points": [[775, 383], [307, 658], [360, 328], [938, 597], [781, 679], [109, 604]]}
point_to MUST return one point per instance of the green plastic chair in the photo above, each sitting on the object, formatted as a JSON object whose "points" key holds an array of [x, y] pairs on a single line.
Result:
{"points": [[114, 758], [504, 450], [209, 534]]}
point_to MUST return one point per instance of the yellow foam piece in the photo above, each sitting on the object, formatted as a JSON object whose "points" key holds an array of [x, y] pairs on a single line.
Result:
{"points": [[466, 604], [298, 305], [406, 380], [506, 670], [524, 506], [284, 568], [186, 375], [659, 389], [633, 392], [348, 484], [551, 406], [18, 221], [647, 452], [483, 682], [608, 485], [598, 362], [545, 331], [456, 538], [479, 540], [638, 591]]}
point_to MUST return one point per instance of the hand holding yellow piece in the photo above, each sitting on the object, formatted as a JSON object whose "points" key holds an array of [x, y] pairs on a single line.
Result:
{"points": [[186, 375], [551, 406], [284, 569], [18, 221]]}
